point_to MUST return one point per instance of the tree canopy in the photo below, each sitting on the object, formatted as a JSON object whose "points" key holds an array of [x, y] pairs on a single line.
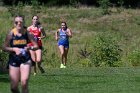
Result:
{"points": [[126, 3]]}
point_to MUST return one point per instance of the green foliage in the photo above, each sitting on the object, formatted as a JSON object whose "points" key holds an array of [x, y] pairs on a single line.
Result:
{"points": [[35, 7], [103, 50], [120, 2], [19, 9], [134, 57], [50, 54], [136, 19], [87, 46], [104, 4], [51, 59], [106, 51], [3, 60], [1, 2], [16, 10], [3, 57], [85, 62], [74, 3], [84, 52]]}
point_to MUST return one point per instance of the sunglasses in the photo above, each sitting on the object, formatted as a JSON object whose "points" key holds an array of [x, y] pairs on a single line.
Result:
{"points": [[35, 19], [16, 22], [62, 25]]}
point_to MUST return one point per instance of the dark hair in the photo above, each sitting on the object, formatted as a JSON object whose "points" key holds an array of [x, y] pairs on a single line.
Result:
{"points": [[65, 24], [19, 16], [34, 16], [38, 23]]}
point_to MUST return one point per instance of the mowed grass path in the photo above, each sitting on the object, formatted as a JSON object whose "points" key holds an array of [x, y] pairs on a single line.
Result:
{"points": [[82, 80]]}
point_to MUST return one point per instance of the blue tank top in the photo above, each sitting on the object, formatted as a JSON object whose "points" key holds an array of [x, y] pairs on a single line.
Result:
{"points": [[63, 36]]}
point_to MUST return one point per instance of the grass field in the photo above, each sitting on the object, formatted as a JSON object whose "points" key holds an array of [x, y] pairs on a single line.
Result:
{"points": [[86, 24], [82, 80]]}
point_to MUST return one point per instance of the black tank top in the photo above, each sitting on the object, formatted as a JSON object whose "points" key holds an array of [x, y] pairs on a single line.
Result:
{"points": [[19, 41]]}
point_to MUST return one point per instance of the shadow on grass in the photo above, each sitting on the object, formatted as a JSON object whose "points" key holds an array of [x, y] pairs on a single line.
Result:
{"points": [[4, 77], [72, 75], [5, 80]]}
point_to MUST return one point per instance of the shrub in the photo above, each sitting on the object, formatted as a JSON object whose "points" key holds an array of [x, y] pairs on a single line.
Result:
{"points": [[106, 51], [134, 57], [104, 4], [84, 53], [3, 57], [35, 7], [86, 62], [16, 10]]}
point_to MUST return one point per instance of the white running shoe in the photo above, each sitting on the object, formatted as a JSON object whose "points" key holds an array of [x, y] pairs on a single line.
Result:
{"points": [[61, 66]]}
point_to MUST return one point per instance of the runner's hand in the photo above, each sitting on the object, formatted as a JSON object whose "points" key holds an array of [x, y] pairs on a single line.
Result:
{"points": [[17, 50], [39, 38]]}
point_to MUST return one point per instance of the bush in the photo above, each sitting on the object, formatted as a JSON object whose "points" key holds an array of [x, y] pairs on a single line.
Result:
{"points": [[134, 57], [84, 53], [106, 51], [3, 61], [16, 10], [35, 7], [85, 62], [101, 51], [104, 4], [3, 57]]}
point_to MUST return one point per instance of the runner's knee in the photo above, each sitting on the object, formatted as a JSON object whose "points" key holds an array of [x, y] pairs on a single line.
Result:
{"points": [[24, 83]]}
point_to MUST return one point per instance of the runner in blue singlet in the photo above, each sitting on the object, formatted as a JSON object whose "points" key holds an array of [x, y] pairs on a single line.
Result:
{"points": [[64, 39], [62, 36]]}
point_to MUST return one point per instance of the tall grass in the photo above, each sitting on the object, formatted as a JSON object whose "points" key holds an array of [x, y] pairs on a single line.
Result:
{"points": [[86, 23]]}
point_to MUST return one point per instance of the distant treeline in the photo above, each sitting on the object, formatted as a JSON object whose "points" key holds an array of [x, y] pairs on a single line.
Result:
{"points": [[125, 3]]}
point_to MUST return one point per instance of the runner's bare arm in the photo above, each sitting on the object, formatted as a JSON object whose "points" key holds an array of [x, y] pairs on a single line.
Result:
{"points": [[69, 32], [43, 33], [6, 45], [56, 34], [31, 38]]}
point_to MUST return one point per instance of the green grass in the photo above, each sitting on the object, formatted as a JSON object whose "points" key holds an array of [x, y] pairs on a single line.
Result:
{"points": [[86, 24], [82, 80]]}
